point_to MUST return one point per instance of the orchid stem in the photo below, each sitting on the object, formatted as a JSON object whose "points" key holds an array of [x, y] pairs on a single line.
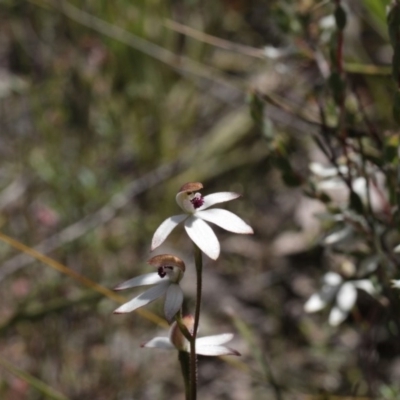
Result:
{"points": [[193, 358], [184, 360], [184, 357], [199, 272]]}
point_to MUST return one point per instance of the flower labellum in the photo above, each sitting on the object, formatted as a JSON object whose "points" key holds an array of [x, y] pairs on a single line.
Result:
{"points": [[206, 346], [170, 271], [197, 214]]}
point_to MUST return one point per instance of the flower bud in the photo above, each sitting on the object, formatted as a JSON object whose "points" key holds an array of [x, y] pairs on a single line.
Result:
{"points": [[176, 336]]}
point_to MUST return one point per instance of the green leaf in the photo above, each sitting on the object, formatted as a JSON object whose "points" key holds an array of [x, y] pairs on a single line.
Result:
{"points": [[376, 13], [268, 129], [256, 108], [396, 106], [393, 20], [291, 179], [338, 86], [289, 176], [396, 62], [390, 154], [355, 202], [340, 17]]}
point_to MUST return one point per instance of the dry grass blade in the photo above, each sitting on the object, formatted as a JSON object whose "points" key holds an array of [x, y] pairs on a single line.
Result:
{"points": [[77, 277], [47, 391], [181, 64], [91, 221], [215, 41]]}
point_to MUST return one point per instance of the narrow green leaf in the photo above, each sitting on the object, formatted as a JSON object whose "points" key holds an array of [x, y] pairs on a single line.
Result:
{"points": [[355, 202], [396, 107], [340, 18], [338, 86]]}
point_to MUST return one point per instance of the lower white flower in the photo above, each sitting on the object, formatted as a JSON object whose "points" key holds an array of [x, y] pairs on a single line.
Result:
{"points": [[342, 294], [205, 346], [170, 272]]}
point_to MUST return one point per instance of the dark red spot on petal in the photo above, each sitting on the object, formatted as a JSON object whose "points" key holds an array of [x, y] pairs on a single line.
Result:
{"points": [[162, 270], [197, 201]]}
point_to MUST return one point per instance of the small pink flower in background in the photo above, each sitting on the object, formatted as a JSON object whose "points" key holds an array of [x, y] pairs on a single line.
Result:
{"points": [[197, 214], [170, 272], [46, 216], [206, 346]]}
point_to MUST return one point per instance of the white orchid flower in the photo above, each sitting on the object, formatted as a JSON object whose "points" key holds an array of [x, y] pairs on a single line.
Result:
{"points": [[196, 214], [170, 272], [342, 294], [330, 181], [395, 283], [205, 346]]}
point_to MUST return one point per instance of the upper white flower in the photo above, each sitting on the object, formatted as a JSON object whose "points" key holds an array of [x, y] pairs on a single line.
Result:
{"points": [[344, 294], [206, 346], [166, 281], [196, 211]]}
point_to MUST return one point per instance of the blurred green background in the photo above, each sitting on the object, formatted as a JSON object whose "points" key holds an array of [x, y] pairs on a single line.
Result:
{"points": [[106, 109]]}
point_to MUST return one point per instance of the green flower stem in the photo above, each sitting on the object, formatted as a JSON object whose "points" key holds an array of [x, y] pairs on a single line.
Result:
{"points": [[193, 358], [193, 369], [184, 357], [199, 270], [184, 360]]}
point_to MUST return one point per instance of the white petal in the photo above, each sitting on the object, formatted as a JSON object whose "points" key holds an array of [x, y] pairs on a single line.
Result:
{"points": [[315, 303], [369, 264], [225, 219], [173, 301], [395, 283], [332, 279], [216, 198], [331, 184], [211, 345], [320, 299], [216, 351], [184, 202], [158, 342], [360, 187], [326, 172], [142, 280], [346, 296], [203, 236], [215, 340], [337, 316], [145, 298], [366, 285], [338, 236], [397, 249], [165, 229]]}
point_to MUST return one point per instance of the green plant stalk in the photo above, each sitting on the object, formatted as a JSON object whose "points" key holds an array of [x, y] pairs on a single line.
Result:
{"points": [[193, 358], [198, 259], [184, 357], [184, 360]]}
